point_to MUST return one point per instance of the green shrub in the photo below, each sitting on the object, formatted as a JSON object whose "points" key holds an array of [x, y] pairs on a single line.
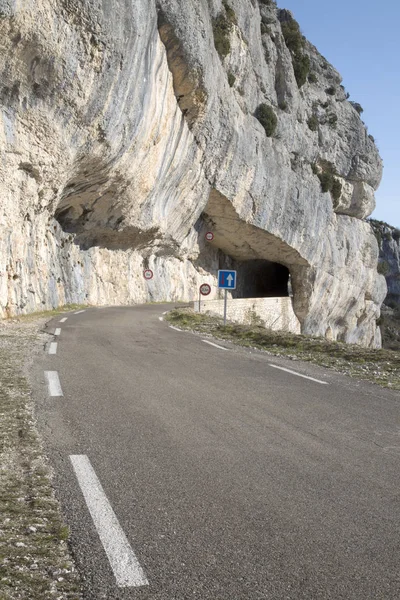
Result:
{"points": [[312, 78], [301, 65], [230, 13], [396, 235], [292, 36], [222, 27], [231, 79], [326, 180], [336, 189], [314, 168], [327, 166], [357, 107], [333, 119], [294, 41], [326, 174], [283, 105], [331, 90], [221, 31], [267, 118], [383, 267], [313, 123]]}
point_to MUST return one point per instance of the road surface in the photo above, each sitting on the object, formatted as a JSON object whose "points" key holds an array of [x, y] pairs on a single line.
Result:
{"points": [[192, 471]]}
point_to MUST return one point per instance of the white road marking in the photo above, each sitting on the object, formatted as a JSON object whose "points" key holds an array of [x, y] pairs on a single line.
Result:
{"points": [[299, 374], [215, 345], [125, 565], [176, 329], [165, 312], [79, 312], [53, 348], [160, 319], [64, 319], [57, 331], [53, 383]]}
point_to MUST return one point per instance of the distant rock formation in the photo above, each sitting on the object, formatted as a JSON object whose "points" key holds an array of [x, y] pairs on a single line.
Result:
{"points": [[129, 129], [388, 238]]}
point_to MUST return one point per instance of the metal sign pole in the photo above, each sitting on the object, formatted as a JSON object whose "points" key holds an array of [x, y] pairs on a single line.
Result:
{"points": [[199, 301], [225, 303]]}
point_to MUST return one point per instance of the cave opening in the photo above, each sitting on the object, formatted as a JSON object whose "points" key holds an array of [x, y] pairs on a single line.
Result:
{"points": [[262, 279]]}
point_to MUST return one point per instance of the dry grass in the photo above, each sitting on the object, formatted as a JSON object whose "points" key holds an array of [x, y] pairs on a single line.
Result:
{"points": [[379, 366], [48, 314], [34, 558]]}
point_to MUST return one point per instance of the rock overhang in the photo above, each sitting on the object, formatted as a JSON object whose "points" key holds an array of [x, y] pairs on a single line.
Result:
{"points": [[145, 93]]}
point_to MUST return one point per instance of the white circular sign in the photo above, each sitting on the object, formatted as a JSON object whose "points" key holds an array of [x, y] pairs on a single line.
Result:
{"points": [[209, 236], [205, 289], [148, 274]]}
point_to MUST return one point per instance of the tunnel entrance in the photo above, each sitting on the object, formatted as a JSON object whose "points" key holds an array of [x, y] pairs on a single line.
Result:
{"points": [[262, 279], [267, 265]]}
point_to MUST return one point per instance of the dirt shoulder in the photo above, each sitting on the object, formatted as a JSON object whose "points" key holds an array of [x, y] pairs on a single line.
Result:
{"points": [[34, 558], [378, 366]]}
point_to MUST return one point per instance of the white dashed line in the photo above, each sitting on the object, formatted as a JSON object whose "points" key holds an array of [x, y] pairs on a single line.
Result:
{"points": [[57, 331], [64, 319], [160, 318], [300, 375], [79, 312], [175, 328], [53, 383], [53, 348], [215, 345], [125, 565], [165, 312]]}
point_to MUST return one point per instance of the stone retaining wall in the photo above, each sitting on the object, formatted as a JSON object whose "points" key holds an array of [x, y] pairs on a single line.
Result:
{"points": [[274, 313]]}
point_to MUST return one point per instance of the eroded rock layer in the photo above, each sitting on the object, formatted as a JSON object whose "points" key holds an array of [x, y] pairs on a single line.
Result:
{"points": [[125, 135]]}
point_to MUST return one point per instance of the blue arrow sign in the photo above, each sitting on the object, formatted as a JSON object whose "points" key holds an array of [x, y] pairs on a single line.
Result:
{"points": [[227, 280]]}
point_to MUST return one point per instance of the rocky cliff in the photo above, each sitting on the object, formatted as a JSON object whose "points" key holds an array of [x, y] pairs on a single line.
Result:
{"points": [[128, 129], [388, 238]]}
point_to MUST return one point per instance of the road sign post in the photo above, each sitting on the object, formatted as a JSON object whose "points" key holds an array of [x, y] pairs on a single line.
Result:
{"points": [[226, 281], [225, 305], [204, 290]]}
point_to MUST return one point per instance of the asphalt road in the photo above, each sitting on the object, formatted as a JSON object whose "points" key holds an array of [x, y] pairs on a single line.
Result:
{"points": [[230, 479]]}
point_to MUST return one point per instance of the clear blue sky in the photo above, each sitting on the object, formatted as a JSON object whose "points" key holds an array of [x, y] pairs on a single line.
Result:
{"points": [[361, 38]]}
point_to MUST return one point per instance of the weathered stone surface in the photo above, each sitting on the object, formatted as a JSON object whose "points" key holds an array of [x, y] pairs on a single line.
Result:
{"points": [[122, 140], [388, 238]]}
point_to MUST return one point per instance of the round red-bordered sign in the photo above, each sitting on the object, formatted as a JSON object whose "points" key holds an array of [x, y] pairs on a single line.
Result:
{"points": [[148, 274], [205, 289], [209, 236]]}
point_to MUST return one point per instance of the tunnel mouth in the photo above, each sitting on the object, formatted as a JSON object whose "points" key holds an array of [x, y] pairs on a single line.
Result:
{"points": [[262, 279], [268, 266]]}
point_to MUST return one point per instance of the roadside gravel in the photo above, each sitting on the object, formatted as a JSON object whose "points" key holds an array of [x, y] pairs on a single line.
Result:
{"points": [[35, 562]]}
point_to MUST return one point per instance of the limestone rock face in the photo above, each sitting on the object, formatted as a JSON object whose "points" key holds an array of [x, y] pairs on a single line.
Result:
{"points": [[125, 136], [388, 238]]}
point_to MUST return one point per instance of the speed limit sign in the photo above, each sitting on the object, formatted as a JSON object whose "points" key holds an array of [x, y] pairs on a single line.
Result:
{"points": [[209, 236], [205, 289], [148, 274]]}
